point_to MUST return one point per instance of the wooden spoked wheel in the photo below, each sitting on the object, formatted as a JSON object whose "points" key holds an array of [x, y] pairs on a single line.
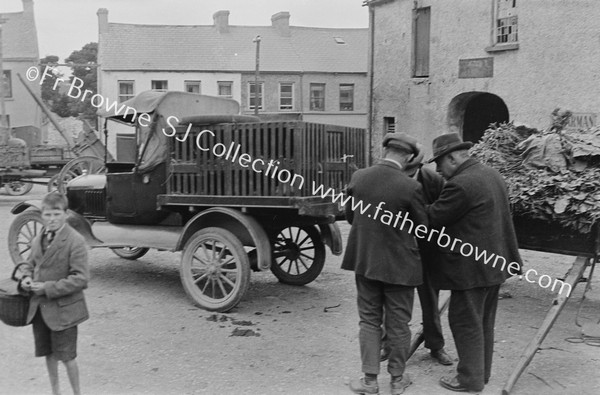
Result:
{"points": [[298, 255], [215, 270], [21, 233], [18, 188]]}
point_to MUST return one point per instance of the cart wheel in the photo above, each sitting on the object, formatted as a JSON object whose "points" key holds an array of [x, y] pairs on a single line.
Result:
{"points": [[77, 167], [215, 270], [131, 253], [298, 255], [21, 233], [18, 188], [53, 183]]}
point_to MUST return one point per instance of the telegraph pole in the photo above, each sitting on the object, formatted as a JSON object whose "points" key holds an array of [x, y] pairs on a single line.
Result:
{"points": [[256, 72], [4, 133]]}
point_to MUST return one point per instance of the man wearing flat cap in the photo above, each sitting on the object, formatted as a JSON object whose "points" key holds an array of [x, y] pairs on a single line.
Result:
{"points": [[385, 260], [473, 210], [432, 184]]}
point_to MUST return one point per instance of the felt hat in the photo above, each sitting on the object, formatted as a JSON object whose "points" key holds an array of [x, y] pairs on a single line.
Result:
{"points": [[402, 141], [447, 143]]}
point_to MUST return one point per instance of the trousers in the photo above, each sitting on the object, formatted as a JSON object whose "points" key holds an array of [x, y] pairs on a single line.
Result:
{"points": [[372, 297], [472, 314]]}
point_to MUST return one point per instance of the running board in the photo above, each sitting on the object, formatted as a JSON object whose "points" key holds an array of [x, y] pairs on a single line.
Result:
{"points": [[146, 236]]}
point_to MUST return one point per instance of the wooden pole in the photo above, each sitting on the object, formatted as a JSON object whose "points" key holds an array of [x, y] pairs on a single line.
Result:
{"points": [[4, 131], [419, 336], [256, 73], [40, 103], [573, 276]]}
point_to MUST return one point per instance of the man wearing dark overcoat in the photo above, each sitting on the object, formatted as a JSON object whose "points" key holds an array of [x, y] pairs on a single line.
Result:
{"points": [[432, 184], [480, 252], [385, 258]]}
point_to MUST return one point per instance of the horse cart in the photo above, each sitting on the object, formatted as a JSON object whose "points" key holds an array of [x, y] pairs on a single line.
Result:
{"points": [[22, 164], [233, 194]]}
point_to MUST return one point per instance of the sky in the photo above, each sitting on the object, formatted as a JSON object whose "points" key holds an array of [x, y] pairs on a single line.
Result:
{"points": [[67, 25]]}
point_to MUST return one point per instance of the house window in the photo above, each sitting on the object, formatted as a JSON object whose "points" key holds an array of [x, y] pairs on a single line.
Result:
{"points": [[317, 97], [126, 90], [389, 124], [252, 97], [7, 84], [422, 29], [160, 85], [224, 88], [346, 97], [506, 22], [191, 86], [286, 96]]}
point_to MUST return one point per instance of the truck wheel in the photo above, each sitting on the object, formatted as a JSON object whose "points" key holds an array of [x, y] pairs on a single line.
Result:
{"points": [[298, 255], [23, 229], [18, 188], [131, 253], [215, 270]]}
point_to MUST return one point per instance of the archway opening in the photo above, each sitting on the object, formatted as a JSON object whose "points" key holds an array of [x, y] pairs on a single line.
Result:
{"points": [[471, 113]]}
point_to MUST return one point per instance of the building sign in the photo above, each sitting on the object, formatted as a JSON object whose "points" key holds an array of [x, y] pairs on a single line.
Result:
{"points": [[580, 120], [476, 68]]}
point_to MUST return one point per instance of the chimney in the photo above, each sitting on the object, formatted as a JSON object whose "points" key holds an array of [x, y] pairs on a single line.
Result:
{"points": [[102, 20], [28, 6], [281, 22], [221, 21]]}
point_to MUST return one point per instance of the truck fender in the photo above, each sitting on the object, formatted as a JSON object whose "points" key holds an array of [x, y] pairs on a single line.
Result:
{"points": [[76, 221], [244, 227], [331, 235], [27, 204]]}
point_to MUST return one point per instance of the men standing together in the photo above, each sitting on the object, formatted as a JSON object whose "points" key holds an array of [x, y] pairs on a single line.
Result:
{"points": [[473, 207]]}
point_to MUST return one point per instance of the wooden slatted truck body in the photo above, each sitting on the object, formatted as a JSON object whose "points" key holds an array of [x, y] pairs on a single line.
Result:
{"points": [[233, 194]]}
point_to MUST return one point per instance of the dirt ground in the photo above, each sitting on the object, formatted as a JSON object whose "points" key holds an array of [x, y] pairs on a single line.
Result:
{"points": [[145, 337]]}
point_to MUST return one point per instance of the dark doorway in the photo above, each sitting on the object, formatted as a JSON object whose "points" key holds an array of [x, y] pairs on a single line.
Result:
{"points": [[482, 110]]}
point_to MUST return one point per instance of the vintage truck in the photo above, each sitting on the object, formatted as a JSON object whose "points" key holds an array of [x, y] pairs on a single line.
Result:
{"points": [[223, 188]]}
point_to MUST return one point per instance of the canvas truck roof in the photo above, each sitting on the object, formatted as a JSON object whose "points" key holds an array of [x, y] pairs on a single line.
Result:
{"points": [[170, 103]]}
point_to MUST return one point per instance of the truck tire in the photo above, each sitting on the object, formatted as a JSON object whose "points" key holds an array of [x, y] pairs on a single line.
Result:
{"points": [[298, 255], [21, 233], [130, 253], [215, 270]]}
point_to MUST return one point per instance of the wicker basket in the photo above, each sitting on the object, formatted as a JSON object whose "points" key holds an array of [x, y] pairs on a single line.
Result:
{"points": [[13, 306]]}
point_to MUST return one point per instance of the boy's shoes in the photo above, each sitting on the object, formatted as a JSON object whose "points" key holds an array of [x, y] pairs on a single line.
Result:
{"points": [[364, 386], [442, 357], [400, 383]]}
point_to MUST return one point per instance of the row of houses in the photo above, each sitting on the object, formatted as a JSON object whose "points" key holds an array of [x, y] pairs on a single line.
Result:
{"points": [[315, 74], [424, 67]]}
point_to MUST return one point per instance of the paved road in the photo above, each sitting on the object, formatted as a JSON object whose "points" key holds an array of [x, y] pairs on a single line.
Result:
{"points": [[145, 337]]}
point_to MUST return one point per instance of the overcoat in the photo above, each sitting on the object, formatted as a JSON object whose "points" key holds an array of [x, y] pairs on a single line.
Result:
{"points": [[474, 209], [64, 270], [377, 248]]}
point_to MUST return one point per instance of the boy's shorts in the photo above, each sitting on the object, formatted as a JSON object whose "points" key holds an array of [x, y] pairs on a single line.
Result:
{"points": [[61, 344]]}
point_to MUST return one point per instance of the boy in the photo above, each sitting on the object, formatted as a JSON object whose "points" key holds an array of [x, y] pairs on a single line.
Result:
{"points": [[56, 274]]}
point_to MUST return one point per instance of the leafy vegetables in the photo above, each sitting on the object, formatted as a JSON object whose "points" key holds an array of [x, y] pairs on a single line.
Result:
{"points": [[552, 175]]}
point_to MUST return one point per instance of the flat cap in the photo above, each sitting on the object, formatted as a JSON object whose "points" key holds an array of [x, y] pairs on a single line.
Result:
{"points": [[402, 141]]}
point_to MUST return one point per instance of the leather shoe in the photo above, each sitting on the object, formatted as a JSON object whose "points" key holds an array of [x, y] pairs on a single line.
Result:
{"points": [[362, 387], [399, 384], [452, 384], [442, 357]]}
